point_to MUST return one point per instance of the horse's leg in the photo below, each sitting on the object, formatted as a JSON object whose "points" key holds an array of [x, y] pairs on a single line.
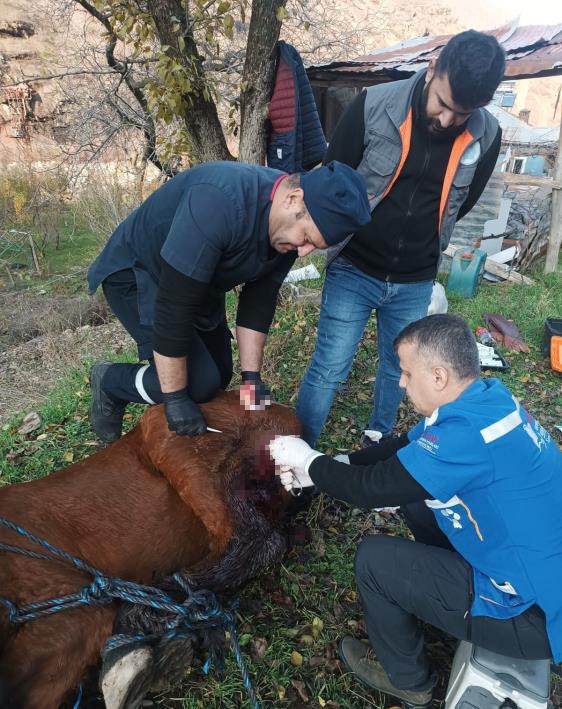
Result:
{"points": [[47, 658]]}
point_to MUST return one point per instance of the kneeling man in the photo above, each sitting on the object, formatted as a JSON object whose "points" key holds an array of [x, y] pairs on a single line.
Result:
{"points": [[479, 482]]}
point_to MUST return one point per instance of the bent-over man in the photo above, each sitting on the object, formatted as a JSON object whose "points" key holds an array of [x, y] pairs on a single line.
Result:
{"points": [[166, 269]]}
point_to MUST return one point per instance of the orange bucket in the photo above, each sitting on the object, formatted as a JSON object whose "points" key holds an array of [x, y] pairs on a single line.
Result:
{"points": [[556, 353]]}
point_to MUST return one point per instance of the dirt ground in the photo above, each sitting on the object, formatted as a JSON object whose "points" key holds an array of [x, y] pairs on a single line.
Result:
{"points": [[30, 370]]}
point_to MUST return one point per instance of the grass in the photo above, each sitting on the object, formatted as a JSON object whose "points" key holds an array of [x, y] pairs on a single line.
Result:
{"points": [[289, 623]]}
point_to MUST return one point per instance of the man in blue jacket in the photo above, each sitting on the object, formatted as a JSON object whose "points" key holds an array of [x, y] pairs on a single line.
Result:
{"points": [[166, 269], [479, 482], [426, 148]]}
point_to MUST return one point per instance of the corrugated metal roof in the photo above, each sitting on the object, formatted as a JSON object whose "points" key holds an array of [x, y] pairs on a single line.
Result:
{"points": [[533, 50], [517, 131]]}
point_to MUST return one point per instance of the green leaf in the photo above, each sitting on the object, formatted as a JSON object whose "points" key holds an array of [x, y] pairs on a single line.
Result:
{"points": [[228, 23], [224, 6], [282, 14]]}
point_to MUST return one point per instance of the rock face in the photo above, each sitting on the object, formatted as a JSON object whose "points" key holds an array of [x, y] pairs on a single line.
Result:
{"points": [[17, 29]]}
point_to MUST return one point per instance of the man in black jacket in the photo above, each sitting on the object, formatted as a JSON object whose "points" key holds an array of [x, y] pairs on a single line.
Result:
{"points": [[426, 148], [166, 269]]}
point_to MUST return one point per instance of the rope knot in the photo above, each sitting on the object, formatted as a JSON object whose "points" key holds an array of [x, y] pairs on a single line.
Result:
{"points": [[98, 589], [11, 608]]}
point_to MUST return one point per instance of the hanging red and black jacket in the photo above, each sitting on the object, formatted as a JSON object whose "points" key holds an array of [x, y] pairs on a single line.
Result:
{"points": [[296, 142]]}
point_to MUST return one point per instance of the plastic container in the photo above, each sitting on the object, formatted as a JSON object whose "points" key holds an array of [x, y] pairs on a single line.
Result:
{"points": [[481, 679], [466, 270], [552, 342]]}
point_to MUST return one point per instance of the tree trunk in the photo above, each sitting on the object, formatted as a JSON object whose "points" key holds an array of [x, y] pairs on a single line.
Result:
{"points": [[201, 119], [555, 238], [257, 79]]}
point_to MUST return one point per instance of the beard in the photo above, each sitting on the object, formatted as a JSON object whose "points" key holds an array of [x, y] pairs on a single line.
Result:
{"points": [[433, 126]]}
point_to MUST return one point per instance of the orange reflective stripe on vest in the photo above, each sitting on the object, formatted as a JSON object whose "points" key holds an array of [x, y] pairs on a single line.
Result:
{"points": [[406, 136], [459, 146]]}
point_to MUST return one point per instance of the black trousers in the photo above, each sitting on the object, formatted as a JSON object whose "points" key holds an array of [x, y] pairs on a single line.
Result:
{"points": [[209, 356], [401, 582]]}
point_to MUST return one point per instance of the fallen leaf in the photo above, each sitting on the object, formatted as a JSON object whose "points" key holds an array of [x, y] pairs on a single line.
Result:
{"points": [[307, 639], [281, 599], [337, 610], [68, 457], [301, 690], [42, 436], [316, 661], [281, 692], [321, 701], [317, 627], [258, 647], [14, 456], [296, 659], [30, 423]]}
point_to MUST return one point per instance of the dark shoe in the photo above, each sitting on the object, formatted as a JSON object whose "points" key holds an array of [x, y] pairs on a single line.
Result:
{"points": [[359, 659], [106, 415]]}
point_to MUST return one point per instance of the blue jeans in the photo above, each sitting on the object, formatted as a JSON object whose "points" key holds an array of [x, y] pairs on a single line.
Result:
{"points": [[348, 299]]}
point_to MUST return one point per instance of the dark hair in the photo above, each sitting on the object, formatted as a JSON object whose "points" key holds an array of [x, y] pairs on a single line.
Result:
{"points": [[474, 63], [293, 181], [447, 338]]}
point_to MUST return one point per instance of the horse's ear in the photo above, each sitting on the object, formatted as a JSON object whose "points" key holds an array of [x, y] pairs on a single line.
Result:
{"points": [[193, 467]]}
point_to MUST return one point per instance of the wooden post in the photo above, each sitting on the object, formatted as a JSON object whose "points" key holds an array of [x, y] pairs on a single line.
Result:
{"points": [[555, 236]]}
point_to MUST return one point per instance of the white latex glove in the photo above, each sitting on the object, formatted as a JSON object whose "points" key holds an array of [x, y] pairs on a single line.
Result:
{"points": [[293, 453], [293, 481]]}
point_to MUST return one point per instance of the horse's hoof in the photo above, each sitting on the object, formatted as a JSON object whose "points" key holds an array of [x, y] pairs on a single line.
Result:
{"points": [[125, 680]]}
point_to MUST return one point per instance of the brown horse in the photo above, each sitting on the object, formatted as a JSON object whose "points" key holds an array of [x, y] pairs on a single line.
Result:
{"points": [[148, 505]]}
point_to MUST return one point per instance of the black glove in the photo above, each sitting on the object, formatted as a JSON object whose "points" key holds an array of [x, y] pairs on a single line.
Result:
{"points": [[183, 414], [261, 390]]}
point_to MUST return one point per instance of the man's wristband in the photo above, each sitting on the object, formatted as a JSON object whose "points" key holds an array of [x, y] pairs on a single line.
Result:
{"points": [[248, 376]]}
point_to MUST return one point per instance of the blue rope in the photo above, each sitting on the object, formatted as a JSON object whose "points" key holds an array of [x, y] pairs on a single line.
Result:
{"points": [[200, 609], [79, 697]]}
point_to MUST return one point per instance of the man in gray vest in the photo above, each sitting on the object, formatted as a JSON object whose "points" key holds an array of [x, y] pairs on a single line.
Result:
{"points": [[426, 147]]}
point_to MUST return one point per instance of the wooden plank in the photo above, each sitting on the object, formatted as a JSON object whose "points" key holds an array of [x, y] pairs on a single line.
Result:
{"points": [[496, 269], [510, 178]]}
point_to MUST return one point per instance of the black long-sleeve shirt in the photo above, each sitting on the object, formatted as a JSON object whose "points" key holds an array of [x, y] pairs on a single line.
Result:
{"points": [[374, 477], [401, 243], [182, 301]]}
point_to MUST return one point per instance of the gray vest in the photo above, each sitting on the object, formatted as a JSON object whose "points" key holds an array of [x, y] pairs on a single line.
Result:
{"points": [[386, 111]]}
